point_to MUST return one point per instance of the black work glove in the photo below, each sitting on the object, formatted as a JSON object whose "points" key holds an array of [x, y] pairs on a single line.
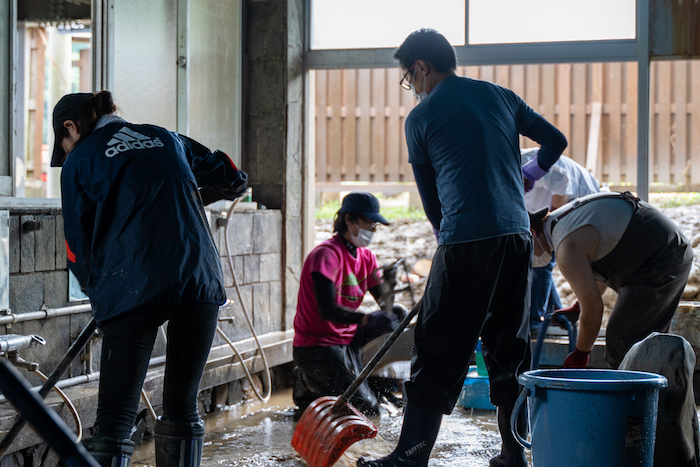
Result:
{"points": [[230, 191], [389, 275], [381, 322], [400, 311]]}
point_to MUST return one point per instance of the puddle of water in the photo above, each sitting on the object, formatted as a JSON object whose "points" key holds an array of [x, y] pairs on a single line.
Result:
{"points": [[259, 435]]}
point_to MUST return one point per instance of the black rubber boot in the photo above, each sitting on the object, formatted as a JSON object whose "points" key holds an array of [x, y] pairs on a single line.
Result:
{"points": [[179, 444], [418, 433], [512, 453], [110, 452]]}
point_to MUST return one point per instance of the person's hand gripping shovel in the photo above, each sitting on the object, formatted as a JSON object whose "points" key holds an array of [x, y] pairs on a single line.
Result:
{"points": [[330, 425]]}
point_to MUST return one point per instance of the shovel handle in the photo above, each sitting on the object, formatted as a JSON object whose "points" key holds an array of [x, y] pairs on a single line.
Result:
{"points": [[378, 356]]}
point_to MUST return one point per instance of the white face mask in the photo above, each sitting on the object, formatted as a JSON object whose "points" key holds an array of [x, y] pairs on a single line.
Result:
{"points": [[543, 259], [363, 237], [423, 94]]}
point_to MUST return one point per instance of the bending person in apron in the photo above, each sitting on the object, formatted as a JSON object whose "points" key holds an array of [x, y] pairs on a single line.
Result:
{"points": [[615, 240]]}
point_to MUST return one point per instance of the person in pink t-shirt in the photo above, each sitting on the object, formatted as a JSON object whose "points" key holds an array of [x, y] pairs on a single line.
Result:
{"points": [[329, 331]]}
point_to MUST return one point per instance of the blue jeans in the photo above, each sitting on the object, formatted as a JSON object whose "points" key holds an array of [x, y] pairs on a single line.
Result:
{"points": [[544, 296]]}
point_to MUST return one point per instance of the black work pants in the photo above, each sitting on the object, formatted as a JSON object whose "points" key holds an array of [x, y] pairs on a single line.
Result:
{"points": [[126, 349], [479, 288], [330, 370]]}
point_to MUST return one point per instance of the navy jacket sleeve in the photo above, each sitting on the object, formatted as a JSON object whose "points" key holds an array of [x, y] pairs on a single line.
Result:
{"points": [[552, 142], [79, 213], [217, 176]]}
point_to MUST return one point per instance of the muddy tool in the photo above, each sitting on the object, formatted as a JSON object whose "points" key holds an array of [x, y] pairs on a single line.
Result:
{"points": [[75, 348], [330, 425]]}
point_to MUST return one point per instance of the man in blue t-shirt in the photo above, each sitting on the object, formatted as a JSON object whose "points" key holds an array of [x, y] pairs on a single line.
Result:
{"points": [[463, 145]]}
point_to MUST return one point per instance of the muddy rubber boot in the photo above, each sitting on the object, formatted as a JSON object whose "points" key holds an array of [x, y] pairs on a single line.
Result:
{"points": [[110, 452], [512, 453], [418, 433], [179, 444]]}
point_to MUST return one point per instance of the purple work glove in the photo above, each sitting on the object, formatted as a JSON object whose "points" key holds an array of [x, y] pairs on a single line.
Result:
{"points": [[531, 173], [577, 359]]}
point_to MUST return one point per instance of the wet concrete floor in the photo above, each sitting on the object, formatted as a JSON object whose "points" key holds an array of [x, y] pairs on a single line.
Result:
{"points": [[259, 435]]}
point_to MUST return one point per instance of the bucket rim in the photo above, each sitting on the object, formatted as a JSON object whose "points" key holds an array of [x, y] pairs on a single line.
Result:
{"points": [[602, 379]]}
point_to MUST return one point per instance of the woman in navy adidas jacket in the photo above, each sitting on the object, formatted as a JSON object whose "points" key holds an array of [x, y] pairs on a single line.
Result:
{"points": [[138, 241]]}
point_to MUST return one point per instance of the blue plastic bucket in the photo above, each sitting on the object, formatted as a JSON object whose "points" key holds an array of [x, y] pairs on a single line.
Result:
{"points": [[584, 418]]}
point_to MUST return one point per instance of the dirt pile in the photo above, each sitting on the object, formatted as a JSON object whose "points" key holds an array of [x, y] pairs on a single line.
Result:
{"points": [[413, 240]]}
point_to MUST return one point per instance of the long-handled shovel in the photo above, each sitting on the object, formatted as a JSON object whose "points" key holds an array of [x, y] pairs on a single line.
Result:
{"points": [[330, 425], [75, 348]]}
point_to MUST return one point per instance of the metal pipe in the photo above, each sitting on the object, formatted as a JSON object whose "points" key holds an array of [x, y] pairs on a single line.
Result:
{"points": [[13, 318]]}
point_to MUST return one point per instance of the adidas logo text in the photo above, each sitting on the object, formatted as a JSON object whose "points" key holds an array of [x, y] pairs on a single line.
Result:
{"points": [[127, 139]]}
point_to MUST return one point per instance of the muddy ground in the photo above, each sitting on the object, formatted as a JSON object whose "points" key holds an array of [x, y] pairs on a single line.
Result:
{"points": [[413, 240]]}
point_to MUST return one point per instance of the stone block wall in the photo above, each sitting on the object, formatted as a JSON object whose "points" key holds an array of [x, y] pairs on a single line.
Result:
{"points": [[39, 280]]}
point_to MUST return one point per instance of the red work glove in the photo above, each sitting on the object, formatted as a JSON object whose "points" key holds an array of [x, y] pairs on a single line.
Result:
{"points": [[577, 359], [572, 313]]}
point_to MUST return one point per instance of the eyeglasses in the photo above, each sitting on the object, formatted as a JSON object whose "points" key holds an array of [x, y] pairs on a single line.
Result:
{"points": [[372, 225], [403, 83]]}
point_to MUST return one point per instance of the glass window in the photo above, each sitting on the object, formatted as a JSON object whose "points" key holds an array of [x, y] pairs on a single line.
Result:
{"points": [[371, 24], [55, 60], [518, 21], [215, 75]]}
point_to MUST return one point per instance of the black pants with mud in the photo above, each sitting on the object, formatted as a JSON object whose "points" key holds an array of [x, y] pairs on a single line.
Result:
{"points": [[126, 349], [474, 289], [329, 371]]}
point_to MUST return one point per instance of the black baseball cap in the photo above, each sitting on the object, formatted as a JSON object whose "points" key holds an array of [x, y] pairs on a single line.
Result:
{"points": [[538, 215], [363, 203], [67, 108]]}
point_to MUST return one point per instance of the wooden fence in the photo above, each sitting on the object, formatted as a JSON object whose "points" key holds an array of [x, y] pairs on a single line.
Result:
{"points": [[360, 119]]}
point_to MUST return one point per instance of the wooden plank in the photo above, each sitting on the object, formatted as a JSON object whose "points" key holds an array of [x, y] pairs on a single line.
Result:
{"points": [[579, 124], [612, 101], [349, 125], [694, 129], [502, 76], [662, 129], [596, 95], [407, 104], [321, 126], [378, 124], [563, 102], [679, 132], [473, 72], [547, 92], [487, 73], [630, 118], [335, 146], [393, 138], [592, 152], [364, 123]]}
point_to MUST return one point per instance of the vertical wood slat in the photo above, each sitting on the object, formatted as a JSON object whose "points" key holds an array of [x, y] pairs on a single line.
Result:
{"points": [[321, 130], [378, 124], [335, 141], [563, 103], [407, 103], [579, 124], [351, 163], [679, 135], [392, 161], [631, 123], [663, 122], [364, 124], [596, 96], [612, 103], [695, 121]]}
